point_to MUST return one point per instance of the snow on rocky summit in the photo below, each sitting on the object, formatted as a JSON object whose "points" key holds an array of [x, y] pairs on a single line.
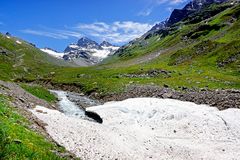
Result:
{"points": [[148, 128], [89, 50], [85, 52]]}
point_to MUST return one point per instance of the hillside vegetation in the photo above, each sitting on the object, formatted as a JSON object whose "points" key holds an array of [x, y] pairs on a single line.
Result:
{"points": [[17, 141], [20, 59], [202, 51]]}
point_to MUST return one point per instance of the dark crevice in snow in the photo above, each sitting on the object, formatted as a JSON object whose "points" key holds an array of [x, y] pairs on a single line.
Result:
{"points": [[225, 123], [94, 116]]}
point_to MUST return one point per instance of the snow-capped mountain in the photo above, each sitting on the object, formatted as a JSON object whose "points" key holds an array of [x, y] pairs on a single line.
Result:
{"points": [[85, 52], [53, 53], [89, 50], [106, 44]]}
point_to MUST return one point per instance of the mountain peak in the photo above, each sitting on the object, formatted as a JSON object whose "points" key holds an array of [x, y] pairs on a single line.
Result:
{"points": [[195, 5], [89, 51], [88, 43], [105, 44]]}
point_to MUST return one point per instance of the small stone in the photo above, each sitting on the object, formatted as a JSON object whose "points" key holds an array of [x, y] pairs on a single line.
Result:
{"points": [[22, 100], [39, 111], [167, 95], [165, 85]]}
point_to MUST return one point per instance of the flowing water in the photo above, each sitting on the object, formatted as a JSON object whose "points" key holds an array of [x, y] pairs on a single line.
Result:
{"points": [[67, 107]]}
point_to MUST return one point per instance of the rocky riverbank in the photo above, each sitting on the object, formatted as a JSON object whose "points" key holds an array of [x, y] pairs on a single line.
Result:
{"points": [[82, 100], [222, 99], [23, 101]]}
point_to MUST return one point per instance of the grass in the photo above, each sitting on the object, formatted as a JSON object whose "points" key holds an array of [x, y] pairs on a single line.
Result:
{"points": [[22, 60], [17, 141], [39, 92]]}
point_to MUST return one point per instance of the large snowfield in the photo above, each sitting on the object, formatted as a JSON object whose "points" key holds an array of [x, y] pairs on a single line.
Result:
{"points": [[148, 128]]}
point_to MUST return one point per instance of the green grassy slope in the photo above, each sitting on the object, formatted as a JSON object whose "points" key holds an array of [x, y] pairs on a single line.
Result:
{"points": [[17, 141], [19, 60], [40, 92]]}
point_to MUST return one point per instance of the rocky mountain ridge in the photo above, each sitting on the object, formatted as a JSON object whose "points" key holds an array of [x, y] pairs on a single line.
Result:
{"points": [[191, 10], [179, 14], [85, 52]]}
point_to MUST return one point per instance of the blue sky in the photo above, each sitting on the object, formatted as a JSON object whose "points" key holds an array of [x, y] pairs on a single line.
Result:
{"points": [[56, 23]]}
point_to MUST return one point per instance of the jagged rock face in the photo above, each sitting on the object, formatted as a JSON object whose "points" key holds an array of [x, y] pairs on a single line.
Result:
{"points": [[89, 51], [88, 43], [197, 4], [85, 52], [159, 26], [179, 14], [105, 44], [72, 55]]}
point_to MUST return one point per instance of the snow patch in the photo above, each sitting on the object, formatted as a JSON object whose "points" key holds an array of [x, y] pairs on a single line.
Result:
{"points": [[74, 46], [53, 53], [148, 128], [18, 42], [105, 52]]}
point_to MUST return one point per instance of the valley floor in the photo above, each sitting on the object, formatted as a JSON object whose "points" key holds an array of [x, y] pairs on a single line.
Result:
{"points": [[136, 128]]}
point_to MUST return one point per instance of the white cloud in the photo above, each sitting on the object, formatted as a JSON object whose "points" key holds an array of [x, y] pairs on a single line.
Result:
{"points": [[169, 1], [98, 27], [56, 34], [44, 33], [178, 1], [154, 3], [145, 12], [69, 33], [116, 32], [169, 9]]}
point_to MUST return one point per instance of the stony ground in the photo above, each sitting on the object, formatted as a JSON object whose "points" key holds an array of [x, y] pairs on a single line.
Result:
{"points": [[20, 97], [23, 101], [222, 99]]}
